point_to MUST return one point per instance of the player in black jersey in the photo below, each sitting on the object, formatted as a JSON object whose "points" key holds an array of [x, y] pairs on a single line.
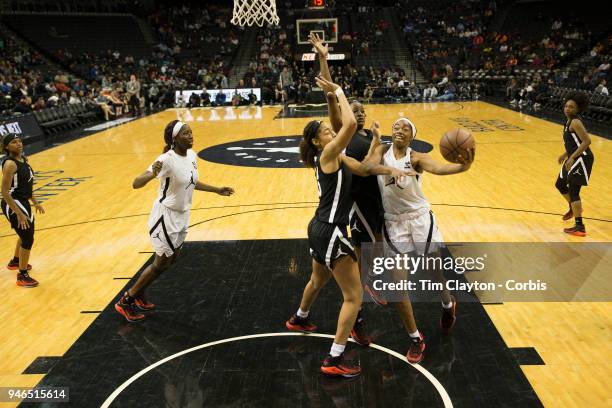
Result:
{"points": [[366, 215], [321, 148], [577, 161], [17, 184]]}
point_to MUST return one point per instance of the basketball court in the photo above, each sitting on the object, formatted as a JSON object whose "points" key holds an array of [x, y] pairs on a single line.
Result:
{"points": [[218, 336]]}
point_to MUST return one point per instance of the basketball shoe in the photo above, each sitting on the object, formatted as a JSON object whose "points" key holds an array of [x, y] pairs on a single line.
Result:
{"points": [[337, 367], [126, 308], [300, 324]]}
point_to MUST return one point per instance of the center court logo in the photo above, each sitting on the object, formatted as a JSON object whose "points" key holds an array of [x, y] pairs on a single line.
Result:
{"points": [[273, 152], [276, 151]]}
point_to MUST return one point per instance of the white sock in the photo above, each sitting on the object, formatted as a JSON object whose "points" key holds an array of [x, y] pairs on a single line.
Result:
{"points": [[337, 349], [302, 314], [447, 305], [415, 335]]}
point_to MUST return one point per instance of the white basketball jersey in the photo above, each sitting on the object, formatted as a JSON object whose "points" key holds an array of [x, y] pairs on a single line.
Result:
{"points": [[178, 178], [405, 196]]}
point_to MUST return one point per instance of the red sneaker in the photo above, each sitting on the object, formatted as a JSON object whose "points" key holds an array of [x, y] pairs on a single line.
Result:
{"points": [[416, 352], [576, 230], [143, 304], [358, 333], [337, 367], [449, 317], [568, 215], [127, 310], [13, 266], [26, 281], [300, 324]]}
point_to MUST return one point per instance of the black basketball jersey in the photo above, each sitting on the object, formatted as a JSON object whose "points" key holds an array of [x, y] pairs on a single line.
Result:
{"points": [[23, 180], [365, 189], [334, 194], [572, 141]]}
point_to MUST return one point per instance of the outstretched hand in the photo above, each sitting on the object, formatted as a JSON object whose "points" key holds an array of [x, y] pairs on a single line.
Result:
{"points": [[321, 48], [375, 128]]}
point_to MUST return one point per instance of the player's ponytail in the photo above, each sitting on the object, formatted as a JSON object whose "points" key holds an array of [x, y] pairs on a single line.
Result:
{"points": [[308, 150]]}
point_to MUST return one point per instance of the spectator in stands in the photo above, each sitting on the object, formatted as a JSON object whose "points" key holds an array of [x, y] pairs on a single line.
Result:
{"points": [[133, 94], [368, 93], [224, 82], [52, 100], [236, 99], [74, 99], [512, 89], [279, 93], [39, 104], [220, 98], [449, 94], [152, 96], [205, 97], [117, 102], [286, 83], [413, 93], [24, 105], [252, 98], [104, 103], [430, 93], [601, 88], [303, 89], [194, 100]]}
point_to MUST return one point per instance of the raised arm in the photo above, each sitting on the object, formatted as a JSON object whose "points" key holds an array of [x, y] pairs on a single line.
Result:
{"points": [[426, 163], [349, 124], [323, 51], [332, 102]]}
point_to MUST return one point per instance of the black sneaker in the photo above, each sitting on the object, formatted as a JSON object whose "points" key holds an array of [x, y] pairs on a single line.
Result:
{"points": [[337, 367], [300, 324], [26, 281]]}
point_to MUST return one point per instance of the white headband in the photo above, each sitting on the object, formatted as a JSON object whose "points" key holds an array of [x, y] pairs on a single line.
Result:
{"points": [[414, 130], [177, 128]]}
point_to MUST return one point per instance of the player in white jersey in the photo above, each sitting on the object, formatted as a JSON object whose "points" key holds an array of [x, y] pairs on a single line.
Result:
{"points": [[177, 171], [410, 226]]}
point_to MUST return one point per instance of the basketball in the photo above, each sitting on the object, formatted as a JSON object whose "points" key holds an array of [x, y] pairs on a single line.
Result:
{"points": [[455, 143]]}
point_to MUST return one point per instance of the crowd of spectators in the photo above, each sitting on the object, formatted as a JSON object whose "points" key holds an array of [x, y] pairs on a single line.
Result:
{"points": [[591, 76], [194, 50], [196, 45]]}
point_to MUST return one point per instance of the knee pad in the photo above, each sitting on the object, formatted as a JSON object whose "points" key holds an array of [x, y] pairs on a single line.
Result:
{"points": [[27, 237], [574, 192], [562, 186]]}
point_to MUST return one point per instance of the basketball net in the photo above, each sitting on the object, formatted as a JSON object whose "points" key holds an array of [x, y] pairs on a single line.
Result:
{"points": [[249, 12]]}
